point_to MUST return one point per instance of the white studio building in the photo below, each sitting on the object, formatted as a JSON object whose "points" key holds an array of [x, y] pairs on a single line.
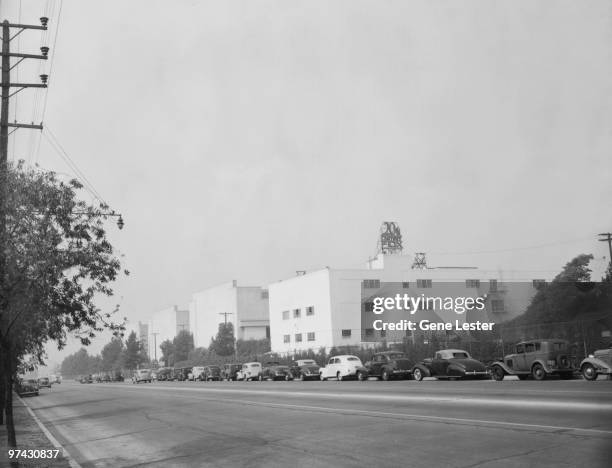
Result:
{"points": [[165, 325], [324, 308], [245, 307]]}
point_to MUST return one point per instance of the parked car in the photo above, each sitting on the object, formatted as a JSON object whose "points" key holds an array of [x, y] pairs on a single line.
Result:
{"points": [[230, 371], [211, 373], [388, 365], [249, 371], [344, 367], [25, 387], [450, 364], [86, 379], [304, 369], [44, 382], [197, 373], [598, 363], [181, 373], [273, 370], [117, 377], [142, 375], [164, 374], [538, 358]]}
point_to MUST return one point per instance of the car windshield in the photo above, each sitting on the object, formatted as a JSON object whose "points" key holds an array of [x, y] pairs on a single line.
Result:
{"points": [[397, 356], [309, 363], [352, 359]]}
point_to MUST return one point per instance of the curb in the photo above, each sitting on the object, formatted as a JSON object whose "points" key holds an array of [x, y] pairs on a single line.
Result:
{"points": [[71, 461]]}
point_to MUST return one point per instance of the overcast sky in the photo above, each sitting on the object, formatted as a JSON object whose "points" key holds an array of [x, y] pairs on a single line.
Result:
{"points": [[247, 140]]}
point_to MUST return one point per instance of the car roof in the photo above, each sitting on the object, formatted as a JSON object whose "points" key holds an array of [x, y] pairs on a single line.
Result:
{"points": [[544, 340], [344, 356], [453, 351]]}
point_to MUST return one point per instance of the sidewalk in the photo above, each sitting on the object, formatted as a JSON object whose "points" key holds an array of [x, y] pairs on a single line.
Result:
{"points": [[29, 437]]}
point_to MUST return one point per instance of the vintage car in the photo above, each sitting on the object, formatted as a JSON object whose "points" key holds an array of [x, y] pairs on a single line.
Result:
{"points": [[86, 379], [600, 362], [230, 371], [25, 387], [273, 370], [450, 364], [211, 373], [44, 382], [388, 365], [344, 367], [164, 374], [304, 369], [142, 375], [249, 371], [197, 373], [536, 358], [181, 373]]}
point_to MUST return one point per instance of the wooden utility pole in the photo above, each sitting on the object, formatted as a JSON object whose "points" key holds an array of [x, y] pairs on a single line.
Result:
{"points": [[225, 314], [607, 237]]}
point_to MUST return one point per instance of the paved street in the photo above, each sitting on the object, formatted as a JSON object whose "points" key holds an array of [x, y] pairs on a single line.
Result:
{"points": [[325, 424]]}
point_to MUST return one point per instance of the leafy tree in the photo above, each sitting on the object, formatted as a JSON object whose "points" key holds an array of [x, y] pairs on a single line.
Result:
{"points": [[56, 262], [253, 347], [168, 351], [183, 345], [223, 343], [112, 355], [133, 355]]}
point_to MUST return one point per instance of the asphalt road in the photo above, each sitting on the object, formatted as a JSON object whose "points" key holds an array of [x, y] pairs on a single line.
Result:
{"points": [[333, 424]]}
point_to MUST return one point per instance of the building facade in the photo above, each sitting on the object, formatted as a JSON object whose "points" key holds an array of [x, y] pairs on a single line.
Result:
{"points": [[165, 325], [245, 307], [326, 308]]}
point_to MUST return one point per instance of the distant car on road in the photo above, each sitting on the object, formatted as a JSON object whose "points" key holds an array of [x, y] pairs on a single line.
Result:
{"points": [[211, 373], [86, 379], [182, 373], [388, 365], [164, 373], [450, 364], [273, 370], [44, 382], [230, 371], [249, 371], [537, 358], [304, 369], [25, 387], [598, 363], [142, 375], [344, 367]]}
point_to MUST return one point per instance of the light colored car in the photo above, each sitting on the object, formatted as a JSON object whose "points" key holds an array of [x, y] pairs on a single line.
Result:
{"points": [[249, 371], [142, 375], [344, 367], [197, 373]]}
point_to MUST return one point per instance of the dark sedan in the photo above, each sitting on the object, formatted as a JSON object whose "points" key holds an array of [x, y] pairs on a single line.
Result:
{"points": [[230, 371], [388, 365], [304, 369], [27, 387], [450, 364], [274, 371]]}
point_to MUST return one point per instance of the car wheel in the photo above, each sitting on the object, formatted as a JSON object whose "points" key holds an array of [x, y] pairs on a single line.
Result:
{"points": [[261, 378], [287, 378], [417, 374], [339, 377], [498, 373], [362, 376], [385, 375], [323, 379], [589, 372], [538, 372], [301, 377]]}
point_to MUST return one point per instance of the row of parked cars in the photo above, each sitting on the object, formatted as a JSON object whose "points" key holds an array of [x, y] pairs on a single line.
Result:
{"points": [[31, 387], [537, 359]]}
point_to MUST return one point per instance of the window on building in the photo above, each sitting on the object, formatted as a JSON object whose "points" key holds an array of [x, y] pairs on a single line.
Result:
{"points": [[264, 294], [493, 285], [424, 283], [311, 336], [346, 333], [310, 310], [298, 337], [285, 315], [405, 285], [472, 283], [297, 313], [497, 306], [371, 284], [268, 332], [286, 338]]}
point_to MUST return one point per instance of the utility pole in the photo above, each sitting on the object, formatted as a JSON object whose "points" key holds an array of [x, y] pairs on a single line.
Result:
{"points": [[607, 237], [155, 345], [225, 314]]}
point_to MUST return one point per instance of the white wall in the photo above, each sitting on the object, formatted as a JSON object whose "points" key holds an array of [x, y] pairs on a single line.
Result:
{"points": [[164, 324]]}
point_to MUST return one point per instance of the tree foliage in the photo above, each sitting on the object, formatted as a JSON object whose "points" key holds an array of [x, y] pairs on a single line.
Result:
{"points": [[167, 349], [57, 261], [223, 343], [183, 345]]}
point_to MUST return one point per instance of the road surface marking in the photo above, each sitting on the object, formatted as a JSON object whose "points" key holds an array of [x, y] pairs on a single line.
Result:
{"points": [[498, 402], [71, 461]]}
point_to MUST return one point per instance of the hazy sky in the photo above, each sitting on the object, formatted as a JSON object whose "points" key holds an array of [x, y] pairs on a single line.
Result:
{"points": [[247, 140]]}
